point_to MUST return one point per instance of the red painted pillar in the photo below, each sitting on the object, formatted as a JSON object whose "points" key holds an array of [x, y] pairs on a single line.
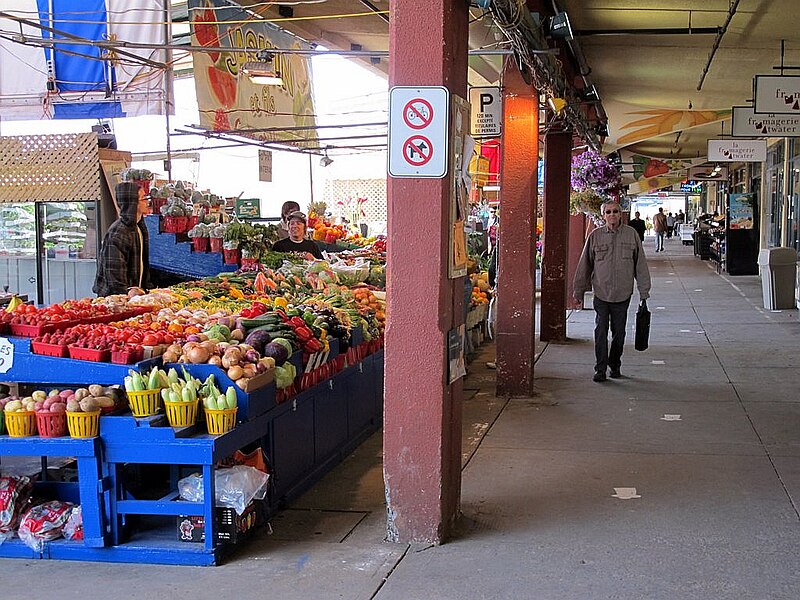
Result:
{"points": [[516, 259], [577, 237], [422, 412], [557, 162]]}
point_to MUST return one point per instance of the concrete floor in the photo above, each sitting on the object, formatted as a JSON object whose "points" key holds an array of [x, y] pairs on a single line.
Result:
{"points": [[705, 425]]}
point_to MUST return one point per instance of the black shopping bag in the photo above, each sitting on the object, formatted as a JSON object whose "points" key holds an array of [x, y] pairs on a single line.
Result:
{"points": [[642, 327]]}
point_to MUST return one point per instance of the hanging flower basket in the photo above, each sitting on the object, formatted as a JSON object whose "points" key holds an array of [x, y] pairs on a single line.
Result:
{"points": [[592, 171]]}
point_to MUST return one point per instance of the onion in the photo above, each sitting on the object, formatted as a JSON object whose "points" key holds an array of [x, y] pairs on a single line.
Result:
{"points": [[245, 347], [260, 367], [209, 345], [193, 337], [242, 383], [237, 334], [235, 372], [198, 355], [249, 370], [175, 348], [229, 361], [215, 360], [169, 357], [252, 356]]}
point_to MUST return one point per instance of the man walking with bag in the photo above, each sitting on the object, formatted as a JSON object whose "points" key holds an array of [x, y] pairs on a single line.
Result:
{"points": [[611, 259]]}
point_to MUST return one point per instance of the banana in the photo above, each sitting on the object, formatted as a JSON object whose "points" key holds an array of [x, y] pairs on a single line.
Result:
{"points": [[13, 304]]}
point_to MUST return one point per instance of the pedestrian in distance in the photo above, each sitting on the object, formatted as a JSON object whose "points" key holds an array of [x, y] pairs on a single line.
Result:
{"points": [[611, 260], [639, 225], [660, 227], [124, 261], [670, 225]]}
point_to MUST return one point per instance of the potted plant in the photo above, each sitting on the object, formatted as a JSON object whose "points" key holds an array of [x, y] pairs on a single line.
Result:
{"points": [[216, 235]]}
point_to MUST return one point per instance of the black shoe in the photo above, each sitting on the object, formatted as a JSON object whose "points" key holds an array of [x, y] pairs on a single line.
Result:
{"points": [[615, 374], [599, 376]]}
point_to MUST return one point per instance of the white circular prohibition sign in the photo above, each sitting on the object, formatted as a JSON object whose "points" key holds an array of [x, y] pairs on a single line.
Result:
{"points": [[417, 150], [418, 113]]}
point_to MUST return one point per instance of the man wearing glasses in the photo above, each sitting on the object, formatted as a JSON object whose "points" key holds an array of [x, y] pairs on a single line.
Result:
{"points": [[612, 257]]}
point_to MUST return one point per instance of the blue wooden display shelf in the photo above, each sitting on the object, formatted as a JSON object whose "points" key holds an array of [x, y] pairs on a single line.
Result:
{"points": [[36, 368], [169, 254]]}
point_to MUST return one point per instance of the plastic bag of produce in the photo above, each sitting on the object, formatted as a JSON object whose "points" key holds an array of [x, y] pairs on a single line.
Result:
{"points": [[235, 487], [351, 274], [43, 523], [73, 528], [14, 495]]}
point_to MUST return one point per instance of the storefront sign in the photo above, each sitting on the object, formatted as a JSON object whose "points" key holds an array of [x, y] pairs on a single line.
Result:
{"points": [[777, 94], [227, 99], [248, 208], [418, 131], [265, 165], [486, 117], [737, 150], [746, 123]]}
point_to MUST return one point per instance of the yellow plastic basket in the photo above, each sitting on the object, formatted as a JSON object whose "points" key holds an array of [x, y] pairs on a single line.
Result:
{"points": [[220, 421], [83, 424], [181, 414], [21, 424], [146, 403]]}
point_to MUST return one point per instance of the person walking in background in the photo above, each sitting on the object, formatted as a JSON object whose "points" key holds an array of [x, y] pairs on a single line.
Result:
{"points": [[648, 225], [639, 225], [670, 225], [660, 227], [611, 259]]}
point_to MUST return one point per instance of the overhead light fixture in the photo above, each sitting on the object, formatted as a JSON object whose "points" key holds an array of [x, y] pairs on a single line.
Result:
{"points": [[260, 71], [590, 94], [325, 160], [556, 104]]}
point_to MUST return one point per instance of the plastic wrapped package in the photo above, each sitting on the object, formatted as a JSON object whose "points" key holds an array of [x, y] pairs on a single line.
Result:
{"points": [[14, 495], [235, 487], [44, 522], [73, 528]]}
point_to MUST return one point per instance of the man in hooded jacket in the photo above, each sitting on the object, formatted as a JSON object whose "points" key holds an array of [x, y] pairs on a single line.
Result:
{"points": [[125, 253]]}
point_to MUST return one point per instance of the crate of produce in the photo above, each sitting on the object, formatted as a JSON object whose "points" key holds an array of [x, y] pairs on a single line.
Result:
{"points": [[83, 424], [51, 424], [89, 354], [145, 403], [200, 244], [220, 421], [21, 423], [181, 414], [57, 350]]}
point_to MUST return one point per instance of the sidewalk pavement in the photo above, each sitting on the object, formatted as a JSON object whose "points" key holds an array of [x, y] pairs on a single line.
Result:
{"points": [[679, 481]]}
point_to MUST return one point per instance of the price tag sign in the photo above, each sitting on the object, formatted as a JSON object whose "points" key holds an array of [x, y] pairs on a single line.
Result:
{"points": [[6, 355]]}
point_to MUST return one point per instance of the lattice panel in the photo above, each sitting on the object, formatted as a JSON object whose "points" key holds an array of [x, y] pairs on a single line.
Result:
{"points": [[372, 189], [49, 168]]}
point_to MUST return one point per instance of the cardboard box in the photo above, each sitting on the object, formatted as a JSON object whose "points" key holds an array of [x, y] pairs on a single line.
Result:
{"points": [[231, 528]]}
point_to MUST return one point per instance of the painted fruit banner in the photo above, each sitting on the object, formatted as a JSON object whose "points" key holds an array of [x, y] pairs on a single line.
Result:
{"points": [[227, 99], [629, 124], [644, 173]]}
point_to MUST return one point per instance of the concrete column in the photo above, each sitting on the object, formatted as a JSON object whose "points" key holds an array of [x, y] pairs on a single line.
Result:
{"points": [[557, 162], [516, 258], [422, 412]]}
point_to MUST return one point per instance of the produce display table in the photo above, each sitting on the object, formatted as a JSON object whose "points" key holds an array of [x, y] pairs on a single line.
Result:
{"points": [[303, 437], [168, 253]]}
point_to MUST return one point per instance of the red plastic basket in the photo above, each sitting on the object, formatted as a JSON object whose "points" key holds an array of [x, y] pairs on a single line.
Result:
{"points": [[51, 424], [215, 244], [31, 330], [176, 224], [231, 256], [57, 350], [127, 357], [200, 244], [90, 354]]}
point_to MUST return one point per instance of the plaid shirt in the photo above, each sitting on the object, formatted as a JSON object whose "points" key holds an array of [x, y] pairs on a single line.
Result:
{"points": [[124, 255]]}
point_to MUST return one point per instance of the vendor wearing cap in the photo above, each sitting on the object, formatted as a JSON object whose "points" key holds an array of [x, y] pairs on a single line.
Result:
{"points": [[297, 242]]}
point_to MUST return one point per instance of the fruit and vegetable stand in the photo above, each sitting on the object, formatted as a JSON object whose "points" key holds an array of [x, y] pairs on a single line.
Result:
{"points": [[303, 436]]}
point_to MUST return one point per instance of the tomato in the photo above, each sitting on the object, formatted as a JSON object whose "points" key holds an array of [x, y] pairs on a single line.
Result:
{"points": [[150, 340]]}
